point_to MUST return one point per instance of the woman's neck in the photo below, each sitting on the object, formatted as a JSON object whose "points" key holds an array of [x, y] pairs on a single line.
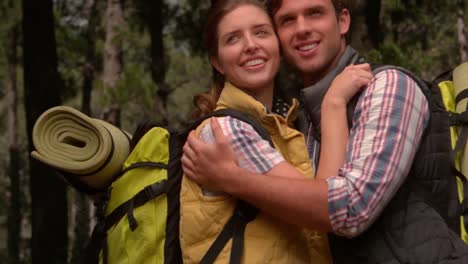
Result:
{"points": [[263, 95]]}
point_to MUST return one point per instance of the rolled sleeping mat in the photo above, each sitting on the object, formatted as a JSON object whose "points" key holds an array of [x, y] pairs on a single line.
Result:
{"points": [[460, 84], [88, 152]]}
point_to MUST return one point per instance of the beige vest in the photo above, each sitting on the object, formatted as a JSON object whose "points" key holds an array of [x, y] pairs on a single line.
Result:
{"points": [[267, 240]]}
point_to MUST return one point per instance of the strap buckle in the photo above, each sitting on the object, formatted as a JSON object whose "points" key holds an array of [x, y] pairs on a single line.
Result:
{"points": [[457, 119], [245, 211]]}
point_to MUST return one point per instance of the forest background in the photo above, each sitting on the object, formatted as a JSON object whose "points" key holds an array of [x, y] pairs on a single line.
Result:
{"points": [[129, 60]]}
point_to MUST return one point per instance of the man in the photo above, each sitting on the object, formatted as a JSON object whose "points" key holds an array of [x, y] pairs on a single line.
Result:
{"points": [[380, 205]]}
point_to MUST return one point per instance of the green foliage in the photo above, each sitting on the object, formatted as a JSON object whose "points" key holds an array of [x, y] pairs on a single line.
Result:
{"points": [[69, 48], [189, 19], [419, 35], [188, 75]]}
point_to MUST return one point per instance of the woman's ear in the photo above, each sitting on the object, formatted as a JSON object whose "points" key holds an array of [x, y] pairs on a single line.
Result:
{"points": [[344, 21], [216, 65]]}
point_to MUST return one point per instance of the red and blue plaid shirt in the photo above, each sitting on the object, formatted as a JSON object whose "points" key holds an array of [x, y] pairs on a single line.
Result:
{"points": [[389, 121]]}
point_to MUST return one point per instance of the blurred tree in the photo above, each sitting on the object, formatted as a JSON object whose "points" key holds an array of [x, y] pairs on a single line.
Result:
{"points": [[90, 62], [189, 20], [420, 35], [152, 14], [42, 90], [112, 61], [365, 31], [12, 10], [461, 30]]}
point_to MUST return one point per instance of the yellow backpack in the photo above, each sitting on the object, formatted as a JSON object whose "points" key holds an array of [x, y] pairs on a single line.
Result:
{"points": [[139, 220], [453, 86]]}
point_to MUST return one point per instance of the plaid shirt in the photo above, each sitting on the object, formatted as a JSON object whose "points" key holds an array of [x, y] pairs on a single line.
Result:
{"points": [[253, 152], [388, 124]]}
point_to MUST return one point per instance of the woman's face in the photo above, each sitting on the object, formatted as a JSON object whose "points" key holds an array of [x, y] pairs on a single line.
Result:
{"points": [[248, 49]]}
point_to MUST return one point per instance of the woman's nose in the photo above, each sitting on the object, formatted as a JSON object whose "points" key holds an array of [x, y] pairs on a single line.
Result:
{"points": [[251, 44]]}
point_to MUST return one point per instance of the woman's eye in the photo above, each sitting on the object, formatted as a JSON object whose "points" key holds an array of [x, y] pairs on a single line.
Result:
{"points": [[231, 39]]}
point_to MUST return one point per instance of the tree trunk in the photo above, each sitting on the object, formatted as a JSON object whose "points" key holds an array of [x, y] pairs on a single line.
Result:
{"points": [[42, 88], [89, 68], [112, 46], [461, 31], [112, 56], [158, 63], [373, 8], [365, 27], [14, 209], [81, 228]]}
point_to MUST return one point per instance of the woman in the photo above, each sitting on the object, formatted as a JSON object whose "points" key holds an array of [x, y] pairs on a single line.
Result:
{"points": [[244, 52]]}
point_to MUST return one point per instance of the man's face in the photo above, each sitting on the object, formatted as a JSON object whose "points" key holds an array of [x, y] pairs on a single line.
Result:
{"points": [[311, 35]]}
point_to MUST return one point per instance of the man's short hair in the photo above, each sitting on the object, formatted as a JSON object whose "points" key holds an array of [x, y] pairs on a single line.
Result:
{"points": [[274, 5]]}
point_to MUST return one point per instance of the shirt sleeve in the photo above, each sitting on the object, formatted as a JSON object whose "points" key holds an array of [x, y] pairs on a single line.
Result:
{"points": [[388, 124], [253, 152]]}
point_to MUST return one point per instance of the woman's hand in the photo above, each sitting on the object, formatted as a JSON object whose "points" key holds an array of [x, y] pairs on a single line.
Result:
{"points": [[334, 128], [209, 165], [349, 82]]}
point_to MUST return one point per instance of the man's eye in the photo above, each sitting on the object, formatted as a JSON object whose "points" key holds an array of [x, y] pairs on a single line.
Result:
{"points": [[314, 13], [286, 21]]}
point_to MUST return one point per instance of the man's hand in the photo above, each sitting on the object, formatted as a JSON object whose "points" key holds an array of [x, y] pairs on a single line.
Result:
{"points": [[209, 165]]}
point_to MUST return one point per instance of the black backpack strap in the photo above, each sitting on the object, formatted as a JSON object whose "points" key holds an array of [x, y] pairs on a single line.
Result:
{"points": [[460, 119], [243, 212], [149, 193], [98, 237], [463, 210], [234, 228]]}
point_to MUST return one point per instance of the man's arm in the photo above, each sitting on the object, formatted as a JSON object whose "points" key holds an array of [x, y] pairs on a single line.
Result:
{"points": [[297, 201], [388, 124]]}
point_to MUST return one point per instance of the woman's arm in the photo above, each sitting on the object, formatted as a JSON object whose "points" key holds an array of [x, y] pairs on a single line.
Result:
{"points": [[334, 125]]}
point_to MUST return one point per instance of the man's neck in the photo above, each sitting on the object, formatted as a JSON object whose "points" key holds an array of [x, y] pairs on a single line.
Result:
{"points": [[310, 79]]}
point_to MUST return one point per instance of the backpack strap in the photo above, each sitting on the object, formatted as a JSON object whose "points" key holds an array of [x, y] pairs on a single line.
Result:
{"points": [[98, 240], [460, 119], [243, 212], [234, 228]]}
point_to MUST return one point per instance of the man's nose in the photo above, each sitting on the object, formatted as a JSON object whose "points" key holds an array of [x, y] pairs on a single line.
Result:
{"points": [[302, 28]]}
